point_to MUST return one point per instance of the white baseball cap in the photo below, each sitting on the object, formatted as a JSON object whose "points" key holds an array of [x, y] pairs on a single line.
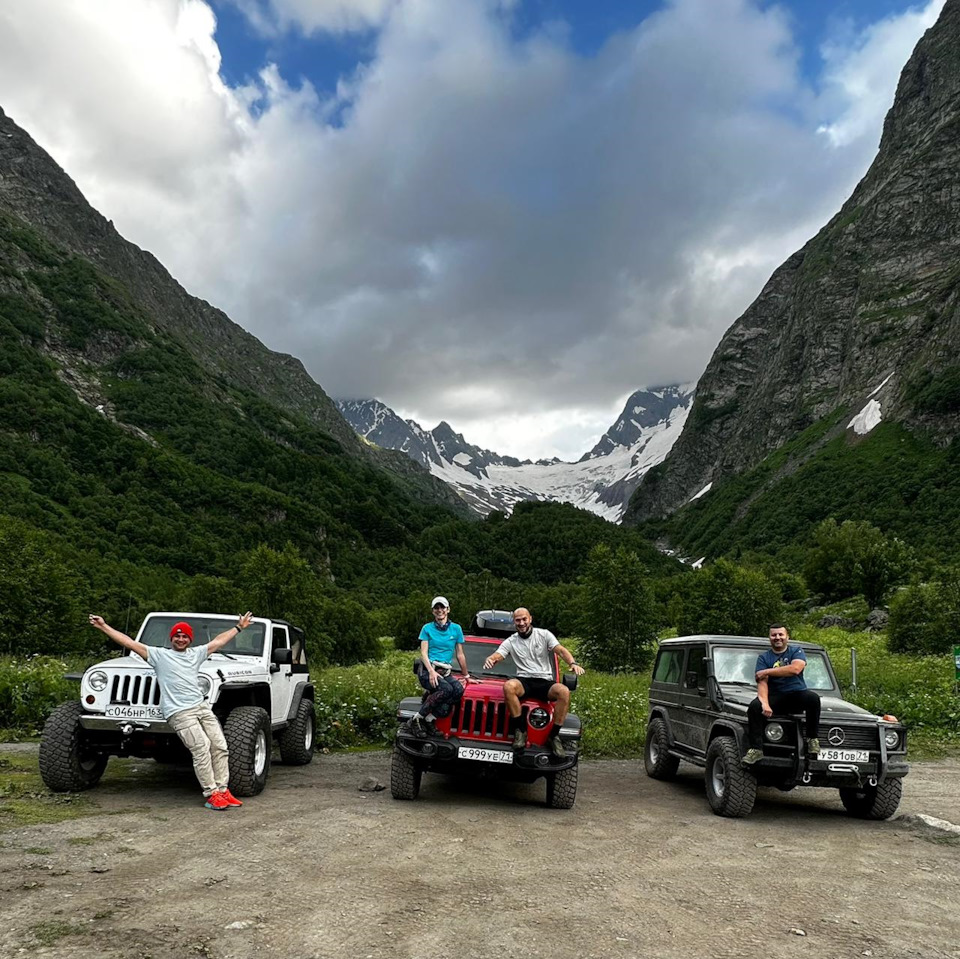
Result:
{"points": [[440, 601]]}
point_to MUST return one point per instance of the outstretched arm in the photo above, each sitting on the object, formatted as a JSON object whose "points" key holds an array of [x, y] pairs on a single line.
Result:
{"points": [[122, 639], [219, 641], [492, 660], [567, 657]]}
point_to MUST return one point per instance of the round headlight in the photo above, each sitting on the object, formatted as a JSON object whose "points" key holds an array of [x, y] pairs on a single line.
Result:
{"points": [[892, 738], [97, 680], [538, 717], [774, 732], [205, 684]]}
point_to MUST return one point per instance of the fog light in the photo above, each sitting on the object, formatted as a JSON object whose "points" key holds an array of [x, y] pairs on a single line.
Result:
{"points": [[892, 738], [428, 749], [774, 732]]}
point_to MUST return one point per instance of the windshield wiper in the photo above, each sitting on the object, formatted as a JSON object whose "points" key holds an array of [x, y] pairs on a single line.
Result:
{"points": [[736, 682], [220, 652]]}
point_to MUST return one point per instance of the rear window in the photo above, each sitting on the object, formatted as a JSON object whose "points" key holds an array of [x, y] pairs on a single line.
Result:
{"points": [[669, 666]]}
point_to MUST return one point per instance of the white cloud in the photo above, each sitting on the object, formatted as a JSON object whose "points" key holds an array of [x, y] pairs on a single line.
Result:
{"points": [[862, 69], [499, 233]]}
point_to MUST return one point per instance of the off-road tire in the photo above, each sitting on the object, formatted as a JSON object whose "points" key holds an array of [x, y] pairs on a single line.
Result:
{"points": [[248, 734], [296, 741], [873, 802], [658, 763], [562, 788], [67, 764], [405, 775], [731, 789]]}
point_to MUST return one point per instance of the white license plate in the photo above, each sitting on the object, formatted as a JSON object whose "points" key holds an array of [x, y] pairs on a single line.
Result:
{"points": [[133, 712], [844, 755], [484, 755]]}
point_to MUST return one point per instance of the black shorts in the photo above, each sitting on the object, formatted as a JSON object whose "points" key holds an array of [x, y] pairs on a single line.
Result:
{"points": [[534, 688]]}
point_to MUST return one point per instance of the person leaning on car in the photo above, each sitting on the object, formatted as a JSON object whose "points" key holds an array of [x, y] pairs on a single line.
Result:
{"points": [[781, 689], [182, 702], [440, 641], [532, 651]]}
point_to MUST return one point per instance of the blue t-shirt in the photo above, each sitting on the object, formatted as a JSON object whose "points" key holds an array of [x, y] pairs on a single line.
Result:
{"points": [[177, 673], [441, 643], [771, 660]]}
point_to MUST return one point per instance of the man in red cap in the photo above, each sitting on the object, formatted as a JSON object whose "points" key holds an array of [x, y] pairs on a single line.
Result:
{"points": [[182, 702]]}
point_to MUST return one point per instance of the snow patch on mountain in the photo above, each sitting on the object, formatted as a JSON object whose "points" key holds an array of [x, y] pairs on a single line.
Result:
{"points": [[866, 419]]}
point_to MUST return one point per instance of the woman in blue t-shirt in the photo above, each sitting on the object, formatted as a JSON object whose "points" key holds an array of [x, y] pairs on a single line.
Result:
{"points": [[440, 641]]}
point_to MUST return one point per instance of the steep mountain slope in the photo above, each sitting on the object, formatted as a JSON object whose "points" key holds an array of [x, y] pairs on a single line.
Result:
{"points": [[601, 481], [860, 326], [35, 192], [140, 424]]}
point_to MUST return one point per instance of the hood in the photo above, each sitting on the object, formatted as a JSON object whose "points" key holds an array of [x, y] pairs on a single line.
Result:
{"points": [[831, 707]]}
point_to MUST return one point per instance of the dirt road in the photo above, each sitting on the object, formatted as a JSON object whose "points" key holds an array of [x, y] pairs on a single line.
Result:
{"points": [[316, 868]]}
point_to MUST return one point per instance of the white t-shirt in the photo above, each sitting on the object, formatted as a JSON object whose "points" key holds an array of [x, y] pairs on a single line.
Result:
{"points": [[177, 673], [533, 654]]}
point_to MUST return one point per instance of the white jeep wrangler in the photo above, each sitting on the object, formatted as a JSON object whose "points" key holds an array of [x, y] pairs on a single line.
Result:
{"points": [[258, 685]]}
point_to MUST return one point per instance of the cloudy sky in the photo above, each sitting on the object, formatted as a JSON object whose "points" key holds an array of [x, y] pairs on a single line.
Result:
{"points": [[508, 214]]}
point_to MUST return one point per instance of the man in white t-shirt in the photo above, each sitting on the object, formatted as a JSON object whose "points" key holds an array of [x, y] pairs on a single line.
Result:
{"points": [[532, 651], [182, 702]]}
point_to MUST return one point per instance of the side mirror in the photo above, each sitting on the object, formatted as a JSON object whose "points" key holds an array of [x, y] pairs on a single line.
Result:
{"points": [[281, 657], [570, 681]]}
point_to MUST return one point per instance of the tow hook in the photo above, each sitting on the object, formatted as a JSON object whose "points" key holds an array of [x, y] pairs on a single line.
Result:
{"points": [[872, 780], [128, 729], [807, 776]]}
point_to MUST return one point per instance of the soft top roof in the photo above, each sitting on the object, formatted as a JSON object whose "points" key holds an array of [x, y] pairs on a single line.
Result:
{"points": [[733, 641]]}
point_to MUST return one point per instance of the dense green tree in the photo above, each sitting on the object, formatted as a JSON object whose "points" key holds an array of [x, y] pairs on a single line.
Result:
{"points": [[41, 598], [855, 557], [617, 612], [924, 618], [726, 599]]}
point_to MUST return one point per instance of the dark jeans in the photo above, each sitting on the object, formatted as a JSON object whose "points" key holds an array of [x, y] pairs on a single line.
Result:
{"points": [[440, 699], [796, 701]]}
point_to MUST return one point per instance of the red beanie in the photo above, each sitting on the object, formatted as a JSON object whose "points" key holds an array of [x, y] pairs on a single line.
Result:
{"points": [[182, 627]]}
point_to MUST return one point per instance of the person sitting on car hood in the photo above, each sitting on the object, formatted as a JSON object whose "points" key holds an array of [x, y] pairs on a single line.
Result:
{"points": [[532, 651], [182, 702]]}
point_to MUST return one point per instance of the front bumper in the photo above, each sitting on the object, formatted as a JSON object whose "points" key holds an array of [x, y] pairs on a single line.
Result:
{"points": [[775, 770], [441, 755], [126, 727]]}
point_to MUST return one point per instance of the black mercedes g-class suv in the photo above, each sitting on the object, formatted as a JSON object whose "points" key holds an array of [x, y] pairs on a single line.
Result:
{"points": [[701, 688]]}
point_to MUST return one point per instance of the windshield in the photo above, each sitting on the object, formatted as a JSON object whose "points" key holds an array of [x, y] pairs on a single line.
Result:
{"points": [[739, 666], [156, 632], [476, 653]]}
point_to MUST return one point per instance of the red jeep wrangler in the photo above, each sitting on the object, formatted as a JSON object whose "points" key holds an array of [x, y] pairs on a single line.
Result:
{"points": [[473, 739]]}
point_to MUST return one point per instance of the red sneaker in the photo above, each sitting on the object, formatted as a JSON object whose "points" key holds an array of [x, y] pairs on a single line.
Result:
{"points": [[229, 797], [216, 801]]}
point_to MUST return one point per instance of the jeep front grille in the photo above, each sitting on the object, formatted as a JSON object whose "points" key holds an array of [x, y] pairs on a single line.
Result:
{"points": [[483, 718], [854, 737], [135, 690]]}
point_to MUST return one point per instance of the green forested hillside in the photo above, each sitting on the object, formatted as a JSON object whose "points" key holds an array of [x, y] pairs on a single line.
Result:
{"points": [[127, 469], [894, 478]]}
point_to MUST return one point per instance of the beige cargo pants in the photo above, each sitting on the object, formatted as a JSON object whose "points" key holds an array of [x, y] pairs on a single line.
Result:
{"points": [[200, 732]]}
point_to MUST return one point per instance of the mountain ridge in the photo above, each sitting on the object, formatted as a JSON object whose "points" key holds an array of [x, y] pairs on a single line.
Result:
{"points": [[601, 480], [863, 318], [36, 191]]}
